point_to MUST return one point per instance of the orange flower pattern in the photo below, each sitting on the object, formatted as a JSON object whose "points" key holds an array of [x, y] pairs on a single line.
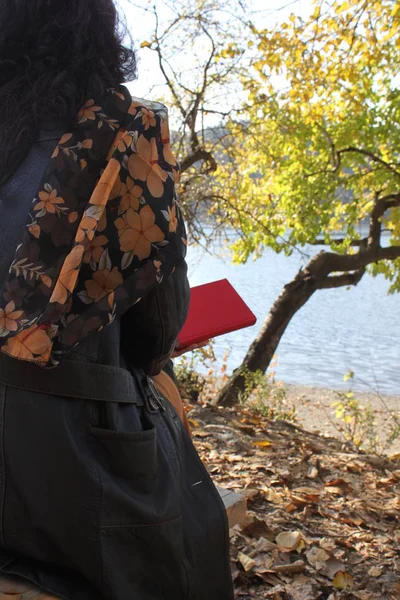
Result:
{"points": [[129, 192], [104, 228], [103, 283], [49, 201], [137, 231], [88, 111], [9, 318], [144, 165], [32, 344], [94, 249], [148, 118]]}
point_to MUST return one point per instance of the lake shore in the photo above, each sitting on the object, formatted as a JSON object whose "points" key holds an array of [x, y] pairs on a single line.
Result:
{"points": [[315, 412]]}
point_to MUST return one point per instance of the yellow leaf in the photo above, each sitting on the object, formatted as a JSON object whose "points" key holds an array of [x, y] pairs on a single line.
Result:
{"points": [[193, 422], [262, 443], [145, 44], [343, 580], [344, 6]]}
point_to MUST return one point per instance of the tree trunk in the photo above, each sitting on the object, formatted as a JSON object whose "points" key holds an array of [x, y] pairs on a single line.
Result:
{"points": [[259, 356], [315, 276]]}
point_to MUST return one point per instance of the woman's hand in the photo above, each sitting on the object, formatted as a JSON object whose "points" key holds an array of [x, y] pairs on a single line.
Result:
{"points": [[180, 351]]}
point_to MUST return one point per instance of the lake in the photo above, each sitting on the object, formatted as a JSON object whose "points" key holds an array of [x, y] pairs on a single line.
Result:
{"points": [[337, 331]]}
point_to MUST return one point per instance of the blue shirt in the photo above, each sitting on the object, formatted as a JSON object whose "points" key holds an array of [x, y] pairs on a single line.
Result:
{"points": [[18, 193]]}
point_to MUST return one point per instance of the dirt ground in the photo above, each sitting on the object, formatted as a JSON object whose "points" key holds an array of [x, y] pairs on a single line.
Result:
{"points": [[323, 518], [315, 413]]}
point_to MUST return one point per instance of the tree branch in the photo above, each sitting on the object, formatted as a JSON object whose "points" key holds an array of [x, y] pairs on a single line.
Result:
{"points": [[381, 205], [325, 263], [391, 201], [164, 72], [336, 281], [370, 155], [196, 156], [354, 243]]}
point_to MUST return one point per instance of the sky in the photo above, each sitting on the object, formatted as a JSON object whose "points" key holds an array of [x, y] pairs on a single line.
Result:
{"points": [[140, 24]]}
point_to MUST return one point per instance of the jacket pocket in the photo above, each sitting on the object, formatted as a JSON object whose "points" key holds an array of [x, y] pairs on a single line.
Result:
{"points": [[139, 473], [128, 454], [145, 562]]}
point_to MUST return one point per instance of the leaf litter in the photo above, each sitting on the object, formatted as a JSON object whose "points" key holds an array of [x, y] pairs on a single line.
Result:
{"points": [[322, 520]]}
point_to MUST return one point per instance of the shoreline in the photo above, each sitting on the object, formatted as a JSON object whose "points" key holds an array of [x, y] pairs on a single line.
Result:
{"points": [[314, 409]]}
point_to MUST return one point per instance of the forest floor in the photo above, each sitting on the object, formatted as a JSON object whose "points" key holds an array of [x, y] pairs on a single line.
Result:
{"points": [[323, 517]]}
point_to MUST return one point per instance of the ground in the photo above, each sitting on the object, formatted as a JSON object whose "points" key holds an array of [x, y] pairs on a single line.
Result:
{"points": [[315, 412], [323, 518]]}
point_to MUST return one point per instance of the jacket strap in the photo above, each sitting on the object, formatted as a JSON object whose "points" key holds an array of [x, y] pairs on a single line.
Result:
{"points": [[82, 381]]}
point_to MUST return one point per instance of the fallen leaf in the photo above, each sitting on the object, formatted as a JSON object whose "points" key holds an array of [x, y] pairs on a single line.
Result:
{"points": [[258, 528], [253, 420], [246, 561], [290, 540], [327, 544], [375, 572], [355, 467], [351, 518], [297, 567], [193, 423], [289, 508], [262, 443], [334, 490], [337, 483], [332, 566], [263, 545], [272, 496], [343, 581], [317, 557], [201, 433], [307, 491], [246, 428], [312, 473]]}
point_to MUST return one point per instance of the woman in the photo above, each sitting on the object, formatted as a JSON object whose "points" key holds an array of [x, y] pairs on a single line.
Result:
{"points": [[102, 494]]}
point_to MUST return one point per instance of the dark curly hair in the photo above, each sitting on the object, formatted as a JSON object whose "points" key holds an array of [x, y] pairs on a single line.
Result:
{"points": [[54, 55]]}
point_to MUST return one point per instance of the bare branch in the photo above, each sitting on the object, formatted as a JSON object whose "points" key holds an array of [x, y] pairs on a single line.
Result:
{"points": [[164, 72]]}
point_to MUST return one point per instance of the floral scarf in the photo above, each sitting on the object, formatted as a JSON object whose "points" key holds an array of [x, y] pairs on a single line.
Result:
{"points": [[103, 230]]}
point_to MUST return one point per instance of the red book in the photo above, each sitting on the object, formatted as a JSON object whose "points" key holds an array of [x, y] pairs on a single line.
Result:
{"points": [[215, 309]]}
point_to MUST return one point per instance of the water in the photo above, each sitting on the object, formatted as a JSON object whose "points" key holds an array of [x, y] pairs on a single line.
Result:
{"points": [[337, 331]]}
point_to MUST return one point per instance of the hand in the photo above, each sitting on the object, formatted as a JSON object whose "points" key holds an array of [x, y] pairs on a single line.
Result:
{"points": [[179, 351]]}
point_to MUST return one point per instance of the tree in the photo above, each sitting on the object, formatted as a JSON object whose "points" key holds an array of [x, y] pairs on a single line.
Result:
{"points": [[321, 144], [201, 63]]}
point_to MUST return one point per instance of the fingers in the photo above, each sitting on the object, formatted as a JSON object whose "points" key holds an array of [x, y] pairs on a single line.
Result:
{"points": [[180, 351]]}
